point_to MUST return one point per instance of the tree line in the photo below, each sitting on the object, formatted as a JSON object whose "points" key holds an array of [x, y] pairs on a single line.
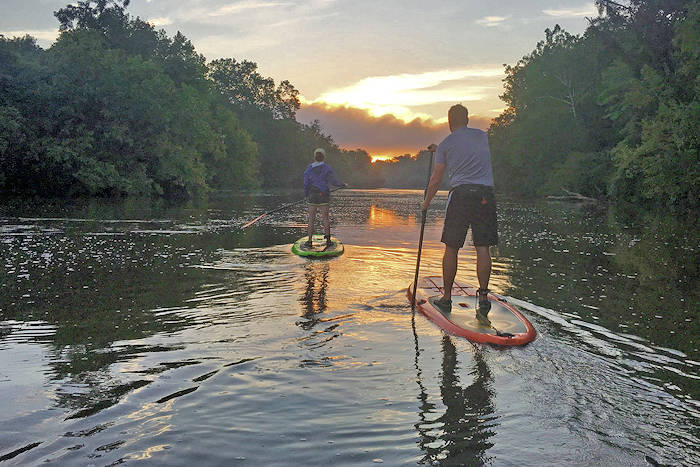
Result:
{"points": [[116, 107], [613, 113]]}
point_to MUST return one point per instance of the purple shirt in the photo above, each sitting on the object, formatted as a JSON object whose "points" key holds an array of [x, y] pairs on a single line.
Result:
{"points": [[320, 175]]}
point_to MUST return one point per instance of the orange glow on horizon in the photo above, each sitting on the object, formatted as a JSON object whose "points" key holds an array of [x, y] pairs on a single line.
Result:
{"points": [[395, 155], [379, 157], [383, 155]]}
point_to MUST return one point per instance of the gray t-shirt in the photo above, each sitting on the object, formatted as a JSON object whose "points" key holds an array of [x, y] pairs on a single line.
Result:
{"points": [[466, 153]]}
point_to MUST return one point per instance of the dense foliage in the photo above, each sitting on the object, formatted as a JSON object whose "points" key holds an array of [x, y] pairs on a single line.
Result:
{"points": [[612, 113], [116, 107], [406, 171]]}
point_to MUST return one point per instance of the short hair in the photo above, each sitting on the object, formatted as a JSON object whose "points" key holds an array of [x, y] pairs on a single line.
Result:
{"points": [[458, 114], [319, 154]]}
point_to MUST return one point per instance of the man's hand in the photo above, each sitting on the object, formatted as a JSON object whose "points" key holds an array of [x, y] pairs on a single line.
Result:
{"points": [[432, 147], [433, 185]]}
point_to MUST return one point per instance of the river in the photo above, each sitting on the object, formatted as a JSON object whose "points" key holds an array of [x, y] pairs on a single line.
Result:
{"points": [[144, 332]]}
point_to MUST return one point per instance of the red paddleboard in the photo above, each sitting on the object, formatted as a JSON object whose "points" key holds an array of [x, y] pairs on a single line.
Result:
{"points": [[506, 326]]}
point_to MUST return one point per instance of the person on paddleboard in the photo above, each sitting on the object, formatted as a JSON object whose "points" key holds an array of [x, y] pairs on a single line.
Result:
{"points": [[318, 177], [466, 157]]}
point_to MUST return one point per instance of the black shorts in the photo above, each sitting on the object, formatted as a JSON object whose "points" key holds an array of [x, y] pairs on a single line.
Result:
{"points": [[470, 205], [318, 197]]}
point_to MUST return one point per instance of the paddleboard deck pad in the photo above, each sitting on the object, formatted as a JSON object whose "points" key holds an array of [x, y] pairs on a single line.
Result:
{"points": [[506, 326], [319, 248]]}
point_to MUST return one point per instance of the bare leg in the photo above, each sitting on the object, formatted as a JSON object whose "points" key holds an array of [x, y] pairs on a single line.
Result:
{"points": [[483, 266], [449, 270], [312, 219], [326, 221]]}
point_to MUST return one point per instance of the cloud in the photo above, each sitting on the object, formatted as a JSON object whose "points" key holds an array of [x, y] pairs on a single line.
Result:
{"points": [[248, 5], [588, 10], [402, 95], [45, 37], [247, 14], [248, 26], [161, 21], [492, 21], [223, 45], [300, 19], [387, 135]]}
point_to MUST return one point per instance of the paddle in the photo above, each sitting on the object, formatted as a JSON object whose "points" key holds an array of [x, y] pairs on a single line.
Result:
{"points": [[281, 208], [424, 214]]}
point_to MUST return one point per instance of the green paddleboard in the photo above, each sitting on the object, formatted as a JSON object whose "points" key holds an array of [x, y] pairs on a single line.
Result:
{"points": [[319, 248]]}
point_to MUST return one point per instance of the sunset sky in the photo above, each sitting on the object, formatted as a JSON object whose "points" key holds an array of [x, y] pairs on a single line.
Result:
{"points": [[378, 74]]}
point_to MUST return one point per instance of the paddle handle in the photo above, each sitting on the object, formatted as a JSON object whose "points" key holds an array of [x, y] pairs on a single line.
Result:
{"points": [[424, 215]]}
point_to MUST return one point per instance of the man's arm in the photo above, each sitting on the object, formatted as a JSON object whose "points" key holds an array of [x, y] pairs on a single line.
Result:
{"points": [[433, 185]]}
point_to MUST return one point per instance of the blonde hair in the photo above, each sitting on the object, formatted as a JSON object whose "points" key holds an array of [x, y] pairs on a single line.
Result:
{"points": [[319, 154]]}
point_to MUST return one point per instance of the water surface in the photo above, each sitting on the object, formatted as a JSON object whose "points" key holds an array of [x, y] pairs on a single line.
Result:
{"points": [[137, 331]]}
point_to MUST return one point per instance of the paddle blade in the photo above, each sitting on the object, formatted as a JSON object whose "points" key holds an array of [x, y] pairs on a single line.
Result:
{"points": [[253, 221]]}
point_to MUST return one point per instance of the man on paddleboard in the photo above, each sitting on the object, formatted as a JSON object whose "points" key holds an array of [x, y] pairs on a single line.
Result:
{"points": [[466, 157], [318, 177]]}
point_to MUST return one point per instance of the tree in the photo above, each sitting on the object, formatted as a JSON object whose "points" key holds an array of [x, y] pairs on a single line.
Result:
{"points": [[247, 89], [91, 117], [102, 16], [551, 115], [630, 85]]}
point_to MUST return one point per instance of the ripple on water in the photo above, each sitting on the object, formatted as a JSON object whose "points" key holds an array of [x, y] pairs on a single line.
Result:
{"points": [[124, 340]]}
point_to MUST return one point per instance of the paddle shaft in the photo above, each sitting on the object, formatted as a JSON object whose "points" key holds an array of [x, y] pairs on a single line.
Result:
{"points": [[280, 209], [424, 214]]}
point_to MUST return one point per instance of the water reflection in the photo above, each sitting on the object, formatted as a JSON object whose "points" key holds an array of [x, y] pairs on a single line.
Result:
{"points": [[634, 274], [384, 216], [460, 436], [314, 299]]}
